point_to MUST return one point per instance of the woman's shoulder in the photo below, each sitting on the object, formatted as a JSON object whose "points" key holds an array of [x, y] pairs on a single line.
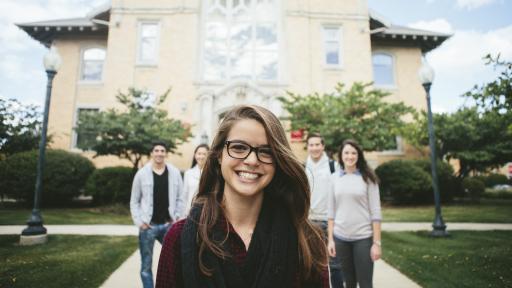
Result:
{"points": [[172, 238], [192, 171]]}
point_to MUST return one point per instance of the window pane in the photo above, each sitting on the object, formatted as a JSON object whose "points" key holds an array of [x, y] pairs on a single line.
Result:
{"points": [[86, 140], [332, 56], [148, 42], [248, 27], [266, 65], [215, 63], [94, 54], [216, 34], [264, 10], [148, 49], [241, 65], [149, 30], [241, 36], [331, 34], [383, 69], [266, 37]]}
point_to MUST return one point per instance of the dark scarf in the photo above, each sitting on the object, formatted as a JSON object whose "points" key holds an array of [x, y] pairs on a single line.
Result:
{"points": [[271, 261]]}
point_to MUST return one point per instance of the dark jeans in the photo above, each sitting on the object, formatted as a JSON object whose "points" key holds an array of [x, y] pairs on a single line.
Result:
{"points": [[146, 242], [356, 262], [334, 262]]}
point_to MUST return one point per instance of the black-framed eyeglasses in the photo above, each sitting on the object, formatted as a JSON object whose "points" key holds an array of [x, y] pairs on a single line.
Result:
{"points": [[241, 150]]}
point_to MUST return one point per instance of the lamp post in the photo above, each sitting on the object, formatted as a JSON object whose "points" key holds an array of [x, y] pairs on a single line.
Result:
{"points": [[35, 233], [426, 75]]}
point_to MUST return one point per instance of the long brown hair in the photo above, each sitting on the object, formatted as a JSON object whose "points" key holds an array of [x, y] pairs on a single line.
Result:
{"points": [[361, 163], [289, 185]]}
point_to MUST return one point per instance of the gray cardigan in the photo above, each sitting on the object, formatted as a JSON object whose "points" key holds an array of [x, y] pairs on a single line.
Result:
{"points": [[141, 200], [353, 205]]}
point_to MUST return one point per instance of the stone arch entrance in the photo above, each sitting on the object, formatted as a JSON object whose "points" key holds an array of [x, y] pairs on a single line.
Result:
{"points": [[214, 103]]}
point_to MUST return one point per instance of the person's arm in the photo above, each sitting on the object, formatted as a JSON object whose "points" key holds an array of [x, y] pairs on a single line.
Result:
{"points": [[135, 199], [180, 200], [376, 250], [376, 217], [331, 249], [186, 192]]}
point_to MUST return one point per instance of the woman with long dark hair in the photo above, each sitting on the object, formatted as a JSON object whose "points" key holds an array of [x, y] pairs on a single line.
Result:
{"points": [[192, 175], [248, 226], [354, 216]]}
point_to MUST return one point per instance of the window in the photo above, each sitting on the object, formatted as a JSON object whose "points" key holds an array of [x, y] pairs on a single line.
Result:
{"points": [[240, 40], [383, 74], [332, 45], [85, 140], [149, 37], [92, 64]]}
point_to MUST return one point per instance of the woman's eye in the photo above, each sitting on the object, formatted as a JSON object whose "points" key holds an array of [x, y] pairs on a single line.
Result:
{"points": [[239, 147]]}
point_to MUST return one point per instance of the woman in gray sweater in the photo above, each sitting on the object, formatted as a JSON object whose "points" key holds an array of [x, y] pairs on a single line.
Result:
{"points": [[354, 216]]}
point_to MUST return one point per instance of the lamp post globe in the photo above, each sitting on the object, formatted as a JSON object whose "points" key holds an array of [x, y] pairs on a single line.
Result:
{"points": [[35, 233], [426, 75]]}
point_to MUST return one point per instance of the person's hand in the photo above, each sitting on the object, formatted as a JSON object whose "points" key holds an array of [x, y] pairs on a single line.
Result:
{"points": [[144, 226], [375, 252], [331, 249]]}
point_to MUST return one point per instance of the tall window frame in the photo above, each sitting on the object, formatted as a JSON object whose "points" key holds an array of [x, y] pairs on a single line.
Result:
{"points": [[92, 64], [148, 42], [383, 66], [332, 38], [77, 138], [240, 40]]}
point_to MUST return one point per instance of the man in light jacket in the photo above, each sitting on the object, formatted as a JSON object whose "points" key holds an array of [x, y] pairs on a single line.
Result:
{"points": [[319, 169], [156, 202]]}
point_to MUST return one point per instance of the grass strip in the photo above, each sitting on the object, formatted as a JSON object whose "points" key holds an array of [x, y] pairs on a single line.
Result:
{"points": [[97, 215], [479, 213], [465, 259], [65, 261]]}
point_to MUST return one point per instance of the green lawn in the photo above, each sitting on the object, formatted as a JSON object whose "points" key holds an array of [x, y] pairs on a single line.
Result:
{"points": [[493, 212], [65, 261], [101, 215], [466, 259]]}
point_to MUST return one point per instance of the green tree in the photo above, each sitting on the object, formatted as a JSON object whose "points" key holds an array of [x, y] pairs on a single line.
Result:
{"points": [[359, 113], [129, 134], [20, 127], [480, 137]]}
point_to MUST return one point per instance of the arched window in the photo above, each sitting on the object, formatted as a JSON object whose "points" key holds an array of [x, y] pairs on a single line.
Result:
{"points": [[383, 71], [92, 64], [240, 40]]}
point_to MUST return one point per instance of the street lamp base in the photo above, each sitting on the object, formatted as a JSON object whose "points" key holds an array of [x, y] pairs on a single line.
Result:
{"points": [[33, 239], [439, 232]]}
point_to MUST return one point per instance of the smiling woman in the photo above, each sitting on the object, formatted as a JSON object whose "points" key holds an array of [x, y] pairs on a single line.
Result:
{"points": [[248, 225]]}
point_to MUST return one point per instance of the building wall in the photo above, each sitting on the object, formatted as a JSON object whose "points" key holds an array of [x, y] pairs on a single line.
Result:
{"points": [[302, 66]]}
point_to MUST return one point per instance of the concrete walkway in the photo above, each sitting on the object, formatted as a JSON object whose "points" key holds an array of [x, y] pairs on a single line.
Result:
{"points": [[127, 275], [120, 230]]}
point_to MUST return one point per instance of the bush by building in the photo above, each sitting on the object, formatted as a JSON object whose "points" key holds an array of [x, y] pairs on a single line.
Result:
{"points": [[110, 185], [494, 179], [405, 182], [473, 187], [448, 184], [64, 176]]}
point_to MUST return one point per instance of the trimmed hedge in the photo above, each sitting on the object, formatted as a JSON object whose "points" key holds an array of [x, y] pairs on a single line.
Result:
{"points": [[448, 184], [64, 176], [494, 179], [473, 187], [110, 185], [405, 182]]}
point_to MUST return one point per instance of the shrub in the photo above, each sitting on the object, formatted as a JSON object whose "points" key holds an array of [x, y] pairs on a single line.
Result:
{"points": [[405, 182], [64, 176], [110, 185], [494, 179], [473, 187], [446, 180]]}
